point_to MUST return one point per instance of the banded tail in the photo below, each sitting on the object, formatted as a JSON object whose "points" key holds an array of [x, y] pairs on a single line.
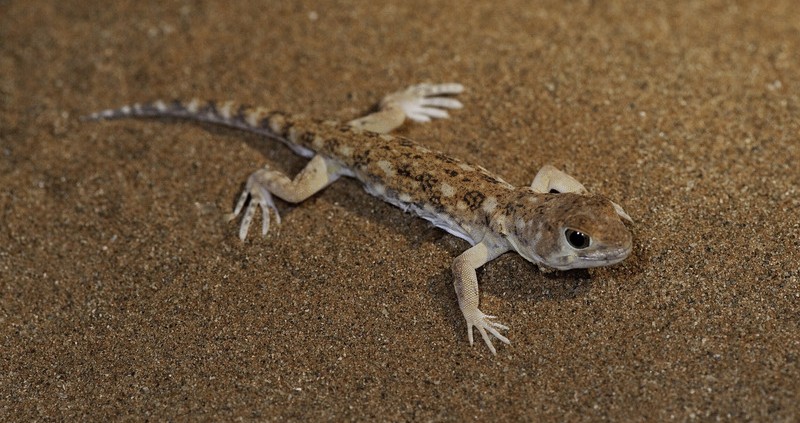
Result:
{"points": [[271, 124]]}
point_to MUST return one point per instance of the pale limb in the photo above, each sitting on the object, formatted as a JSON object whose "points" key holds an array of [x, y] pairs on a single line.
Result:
{"points": [[550, 179], [420, 103], [263, 183], [466, 286]]}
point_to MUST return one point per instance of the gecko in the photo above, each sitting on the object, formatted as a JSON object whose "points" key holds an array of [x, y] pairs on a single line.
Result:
{"points": [[554, 222]]}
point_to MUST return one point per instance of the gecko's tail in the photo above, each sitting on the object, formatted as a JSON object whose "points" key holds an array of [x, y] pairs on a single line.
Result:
{"points": [[271, 124], [227, 113]]}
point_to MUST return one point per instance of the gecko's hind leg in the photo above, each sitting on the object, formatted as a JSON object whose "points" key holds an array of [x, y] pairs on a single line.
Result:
{"points": [[419, 103], [263, 183]]}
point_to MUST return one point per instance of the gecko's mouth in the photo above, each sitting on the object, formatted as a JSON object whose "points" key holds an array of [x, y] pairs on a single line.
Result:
{"points": [[609, 256], [606, 257]]}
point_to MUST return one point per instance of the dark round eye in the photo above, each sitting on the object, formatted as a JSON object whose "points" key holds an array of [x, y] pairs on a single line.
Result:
{"points": [[577, 239]]}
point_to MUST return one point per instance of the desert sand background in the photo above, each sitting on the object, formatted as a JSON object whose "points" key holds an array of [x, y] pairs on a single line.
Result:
{"points": [[126, 296]]}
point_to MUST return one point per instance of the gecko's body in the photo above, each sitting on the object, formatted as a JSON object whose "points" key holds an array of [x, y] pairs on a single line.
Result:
{"points": [[554, 223]]}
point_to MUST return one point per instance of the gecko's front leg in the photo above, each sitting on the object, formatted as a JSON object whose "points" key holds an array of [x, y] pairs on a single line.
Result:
{"points": [[549, 179], [466, 285], [318, 173]]}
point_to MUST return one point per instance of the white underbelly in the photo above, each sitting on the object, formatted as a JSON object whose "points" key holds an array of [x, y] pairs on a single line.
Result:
{"points": [[440, 220]]}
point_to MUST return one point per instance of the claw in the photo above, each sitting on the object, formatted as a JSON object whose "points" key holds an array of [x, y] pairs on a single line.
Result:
{"points": [[427, 90], [485, 326], [259, 197], [433, 112], [447, 103], [422, 102], [487, 340], [417, 117]]}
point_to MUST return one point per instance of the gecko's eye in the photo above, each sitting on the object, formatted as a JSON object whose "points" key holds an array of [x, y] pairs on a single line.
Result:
{"points": [[577, 239]]}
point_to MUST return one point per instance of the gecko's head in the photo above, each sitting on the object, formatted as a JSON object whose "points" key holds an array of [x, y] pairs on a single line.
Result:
{"points": [[571, 231]]}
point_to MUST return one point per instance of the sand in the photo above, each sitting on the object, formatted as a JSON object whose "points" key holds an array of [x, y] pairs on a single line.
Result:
{"points": [[127, 296]]}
